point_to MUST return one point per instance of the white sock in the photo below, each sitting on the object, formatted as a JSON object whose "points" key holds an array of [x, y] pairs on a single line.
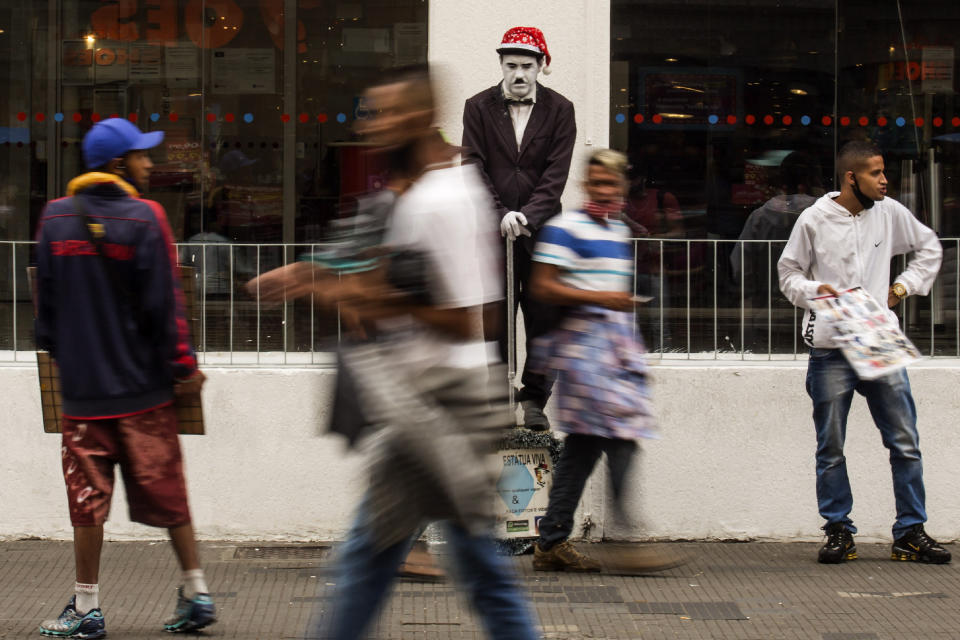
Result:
{"points": [[88, 597], [194, 583]]}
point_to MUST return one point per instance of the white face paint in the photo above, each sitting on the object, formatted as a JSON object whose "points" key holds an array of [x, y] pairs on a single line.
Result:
{"points": [[519, 74]]}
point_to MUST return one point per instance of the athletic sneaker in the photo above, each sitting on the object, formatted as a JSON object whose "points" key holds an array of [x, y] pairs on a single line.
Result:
{"points": [[192, 614], [71, 624], [839, 546], [917, 546]]}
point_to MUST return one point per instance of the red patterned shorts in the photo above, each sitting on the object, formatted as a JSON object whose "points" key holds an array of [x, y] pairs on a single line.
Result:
{"points": [[146, 447]]}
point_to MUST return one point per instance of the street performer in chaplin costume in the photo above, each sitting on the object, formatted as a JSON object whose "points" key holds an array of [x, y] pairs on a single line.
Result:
{"points": [[520, 134]]}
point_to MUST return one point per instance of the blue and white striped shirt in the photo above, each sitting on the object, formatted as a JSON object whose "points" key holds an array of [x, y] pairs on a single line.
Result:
{"points": [[591, 256]]}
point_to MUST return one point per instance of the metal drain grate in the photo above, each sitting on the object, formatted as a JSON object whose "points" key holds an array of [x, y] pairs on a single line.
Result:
{"points": [[592, 594], [693, 610], [287, 552]]}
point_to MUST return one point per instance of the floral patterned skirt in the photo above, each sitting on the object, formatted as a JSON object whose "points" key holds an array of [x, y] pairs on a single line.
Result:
{"points": [[602, 383]]}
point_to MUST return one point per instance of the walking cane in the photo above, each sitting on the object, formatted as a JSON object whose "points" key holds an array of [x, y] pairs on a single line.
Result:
{"points": [[511, 326]]}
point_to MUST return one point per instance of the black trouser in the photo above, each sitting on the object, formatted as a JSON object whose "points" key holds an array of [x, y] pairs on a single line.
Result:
{"points": [[580, 454], [538, 319]]}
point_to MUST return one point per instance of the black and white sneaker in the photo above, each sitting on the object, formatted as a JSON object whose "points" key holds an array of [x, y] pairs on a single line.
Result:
{"points": [[917, 546], [839, 546]]}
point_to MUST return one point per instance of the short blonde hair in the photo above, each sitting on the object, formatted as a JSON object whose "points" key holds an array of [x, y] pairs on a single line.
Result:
{"points": [[613, 161]]}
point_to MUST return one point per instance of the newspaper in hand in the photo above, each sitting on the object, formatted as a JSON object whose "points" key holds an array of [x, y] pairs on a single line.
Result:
{"points": [[867, 333]]}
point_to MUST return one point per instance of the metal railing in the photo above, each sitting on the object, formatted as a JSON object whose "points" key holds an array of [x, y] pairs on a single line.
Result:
{"points": [[711, 299], [720, 299]]}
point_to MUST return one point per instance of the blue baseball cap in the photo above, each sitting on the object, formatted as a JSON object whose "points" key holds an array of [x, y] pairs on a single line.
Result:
{"points": [[114, 138]]}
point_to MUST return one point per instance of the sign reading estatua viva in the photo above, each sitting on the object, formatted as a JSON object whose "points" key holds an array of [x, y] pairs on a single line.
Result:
{"points": [[522, 490], [867, 333]]}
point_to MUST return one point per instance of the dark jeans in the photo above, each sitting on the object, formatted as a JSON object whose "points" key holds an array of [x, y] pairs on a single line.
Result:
{"points": [[538, 318], [580, 454], [831, 383]]}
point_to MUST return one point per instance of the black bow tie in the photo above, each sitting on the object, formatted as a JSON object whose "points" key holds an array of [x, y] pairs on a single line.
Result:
{"points": [[518, 101]]}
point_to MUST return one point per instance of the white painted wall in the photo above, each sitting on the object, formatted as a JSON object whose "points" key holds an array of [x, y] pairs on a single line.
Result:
{"points": [[736, 459], [261, 471], [462, 42]]}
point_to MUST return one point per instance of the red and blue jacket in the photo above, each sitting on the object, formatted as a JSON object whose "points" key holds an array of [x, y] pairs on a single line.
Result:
{"points": [[118, 355]]}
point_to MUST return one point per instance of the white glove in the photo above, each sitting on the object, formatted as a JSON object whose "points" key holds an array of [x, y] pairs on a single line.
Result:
{"points": [[512, 225]]}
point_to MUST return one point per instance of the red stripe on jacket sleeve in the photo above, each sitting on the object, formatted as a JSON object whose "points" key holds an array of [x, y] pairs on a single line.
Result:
{"points": [[184, 356]]}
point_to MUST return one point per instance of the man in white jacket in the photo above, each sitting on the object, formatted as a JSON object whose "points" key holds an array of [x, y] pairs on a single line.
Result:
{"points": [[845, 240]]}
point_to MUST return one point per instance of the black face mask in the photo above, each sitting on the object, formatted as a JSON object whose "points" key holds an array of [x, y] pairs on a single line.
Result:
{"points": [[864, 201]]}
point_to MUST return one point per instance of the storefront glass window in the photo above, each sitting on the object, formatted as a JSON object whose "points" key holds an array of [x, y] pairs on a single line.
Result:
{"points": [[732, 112], [258, 100]]}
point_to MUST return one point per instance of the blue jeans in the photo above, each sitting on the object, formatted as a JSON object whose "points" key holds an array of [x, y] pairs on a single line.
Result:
{"points": [[364, 578], [831, 383]]}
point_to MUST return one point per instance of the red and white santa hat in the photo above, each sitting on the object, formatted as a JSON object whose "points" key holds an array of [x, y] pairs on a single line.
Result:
{"points": [[526, 41]]}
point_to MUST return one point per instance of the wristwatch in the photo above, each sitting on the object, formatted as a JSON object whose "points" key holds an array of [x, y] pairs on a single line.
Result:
{"points": [[899, 290]]}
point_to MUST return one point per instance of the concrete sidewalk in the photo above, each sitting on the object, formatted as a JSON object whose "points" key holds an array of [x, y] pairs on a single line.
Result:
{"points": [[751, 590]]}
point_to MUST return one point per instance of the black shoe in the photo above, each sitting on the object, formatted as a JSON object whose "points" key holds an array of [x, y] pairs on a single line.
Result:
{"points": [[533, 416], [917, 546], [839, 546]]}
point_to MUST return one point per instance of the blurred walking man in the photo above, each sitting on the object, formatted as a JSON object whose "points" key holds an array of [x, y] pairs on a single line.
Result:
{"points": [[846, 240], [111, 312], [520, 134], [424, 383]]}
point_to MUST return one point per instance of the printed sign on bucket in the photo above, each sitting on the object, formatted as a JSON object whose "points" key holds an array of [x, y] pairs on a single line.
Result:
{"points": [[522, 491]]}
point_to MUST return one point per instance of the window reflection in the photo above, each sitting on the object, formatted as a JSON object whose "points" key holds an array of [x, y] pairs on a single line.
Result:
{"points": [[716, 102], [259, 144]]}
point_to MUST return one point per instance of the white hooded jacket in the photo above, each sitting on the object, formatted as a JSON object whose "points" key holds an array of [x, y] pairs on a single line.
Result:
{"points": [[830, 245]]}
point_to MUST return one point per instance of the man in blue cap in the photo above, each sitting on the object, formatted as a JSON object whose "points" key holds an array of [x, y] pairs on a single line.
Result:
{"points": [[111, 312]]}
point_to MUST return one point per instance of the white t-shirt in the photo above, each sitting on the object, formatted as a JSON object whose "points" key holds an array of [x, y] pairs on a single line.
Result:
{"points": [[448, 215]]}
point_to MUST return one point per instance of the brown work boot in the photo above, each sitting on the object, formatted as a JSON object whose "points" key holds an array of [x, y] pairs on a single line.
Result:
{"points": [[562, 557], [420, 564]]}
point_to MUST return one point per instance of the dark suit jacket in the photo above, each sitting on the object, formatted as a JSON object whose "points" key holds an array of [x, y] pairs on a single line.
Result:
{"points": [[530, 180]]}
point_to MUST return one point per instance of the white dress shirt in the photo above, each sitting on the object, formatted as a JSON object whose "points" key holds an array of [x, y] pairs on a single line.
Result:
{"points": [[520, 113]]}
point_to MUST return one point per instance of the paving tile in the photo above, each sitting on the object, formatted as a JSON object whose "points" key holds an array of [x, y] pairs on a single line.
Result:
{"points": [[742, 591]]}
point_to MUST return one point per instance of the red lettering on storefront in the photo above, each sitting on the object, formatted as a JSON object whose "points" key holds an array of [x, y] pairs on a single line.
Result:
{"points": [[115, 21], [272, 13], [921, 71], [210, 24], [161, 21], [105, 57], [77, 57]]}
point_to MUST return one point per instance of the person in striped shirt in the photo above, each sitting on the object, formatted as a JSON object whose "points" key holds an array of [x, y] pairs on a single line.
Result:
{"points": [[583, 261]]}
